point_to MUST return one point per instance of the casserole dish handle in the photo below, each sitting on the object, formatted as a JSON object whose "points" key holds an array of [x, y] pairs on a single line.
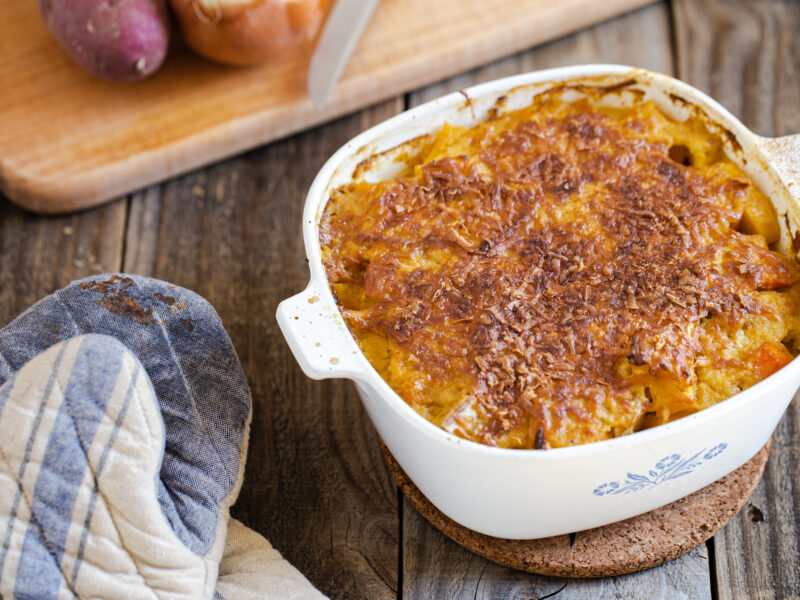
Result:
{"points": [[784, 153], [318, 336]]}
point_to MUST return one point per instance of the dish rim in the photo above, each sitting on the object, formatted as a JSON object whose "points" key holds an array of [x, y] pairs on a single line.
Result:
{"points": [[367, 375]]}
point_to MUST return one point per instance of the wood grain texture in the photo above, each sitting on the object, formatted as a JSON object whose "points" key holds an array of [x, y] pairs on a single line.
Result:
{"points": [[435, 567], [746, 55], [640, 39], [439, 568], [629, 546], [40, 256], [315, 484], [69, 140]]}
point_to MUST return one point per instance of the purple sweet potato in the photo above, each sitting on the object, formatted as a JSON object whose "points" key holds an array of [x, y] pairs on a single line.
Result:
{"points": [[118, 40]]}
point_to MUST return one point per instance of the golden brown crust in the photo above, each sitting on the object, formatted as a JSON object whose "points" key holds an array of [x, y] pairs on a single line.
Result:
{"points": [[549, 277]]}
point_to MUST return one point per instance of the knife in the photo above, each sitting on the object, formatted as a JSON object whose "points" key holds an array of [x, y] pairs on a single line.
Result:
{"points": [[343, 28]]}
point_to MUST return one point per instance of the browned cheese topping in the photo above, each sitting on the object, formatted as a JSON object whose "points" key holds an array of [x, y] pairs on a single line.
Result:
{"points": [[563, 274]]}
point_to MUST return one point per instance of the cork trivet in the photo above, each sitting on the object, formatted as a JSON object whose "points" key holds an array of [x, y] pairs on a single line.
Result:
{"points": [[628, 546]]}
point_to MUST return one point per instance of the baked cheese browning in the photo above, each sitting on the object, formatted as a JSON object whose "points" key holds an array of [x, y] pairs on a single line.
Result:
{"points": [[563, 274]]}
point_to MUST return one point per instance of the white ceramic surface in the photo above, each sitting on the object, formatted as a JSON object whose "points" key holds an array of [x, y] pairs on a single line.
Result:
{"points": [[521, 494]]}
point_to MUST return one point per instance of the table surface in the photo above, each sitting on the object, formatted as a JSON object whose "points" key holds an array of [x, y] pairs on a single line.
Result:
{"points": [[315, 484]]}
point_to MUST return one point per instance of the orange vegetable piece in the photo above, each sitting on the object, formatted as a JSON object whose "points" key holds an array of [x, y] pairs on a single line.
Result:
{"points": [[759, 217], [770, 358]]}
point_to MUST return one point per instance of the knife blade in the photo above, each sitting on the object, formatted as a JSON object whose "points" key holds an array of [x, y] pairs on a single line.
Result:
{"points": [[341, 32]]}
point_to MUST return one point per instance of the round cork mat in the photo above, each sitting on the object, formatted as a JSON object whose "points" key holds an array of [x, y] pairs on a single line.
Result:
{"points": [[628, 546]]}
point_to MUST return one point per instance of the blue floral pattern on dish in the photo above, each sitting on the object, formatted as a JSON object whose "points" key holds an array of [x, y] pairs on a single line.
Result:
{"points": [[669, 467]]}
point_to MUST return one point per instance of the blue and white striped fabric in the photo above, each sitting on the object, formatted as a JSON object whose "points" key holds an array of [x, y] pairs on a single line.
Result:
{"points": [[124, 416]]}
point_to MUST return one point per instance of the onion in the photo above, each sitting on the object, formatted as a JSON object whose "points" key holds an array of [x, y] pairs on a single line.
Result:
{"points": [[247, 32]]}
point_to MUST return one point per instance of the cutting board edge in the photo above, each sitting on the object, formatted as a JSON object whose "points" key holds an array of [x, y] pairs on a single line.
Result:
{"points": [[62, 191], [65, 192]]}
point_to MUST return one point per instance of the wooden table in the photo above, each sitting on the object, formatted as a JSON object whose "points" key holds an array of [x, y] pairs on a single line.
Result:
{"points": [[316, 485]]}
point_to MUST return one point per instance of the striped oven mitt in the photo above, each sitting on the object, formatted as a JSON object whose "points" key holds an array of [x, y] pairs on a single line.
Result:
{"points": [[124, 416]]}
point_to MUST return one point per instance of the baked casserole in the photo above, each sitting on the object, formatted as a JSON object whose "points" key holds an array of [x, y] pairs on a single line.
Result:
{"points": [[564, 273]]}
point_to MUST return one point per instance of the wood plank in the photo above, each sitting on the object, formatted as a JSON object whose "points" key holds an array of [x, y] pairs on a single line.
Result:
{"points": [[638, 39], [315, 484], [40, 256], [435, 567], [747, 56], [69, 140]]}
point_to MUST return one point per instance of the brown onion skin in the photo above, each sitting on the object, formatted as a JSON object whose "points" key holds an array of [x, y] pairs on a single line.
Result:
{"points": [[248, 33]]}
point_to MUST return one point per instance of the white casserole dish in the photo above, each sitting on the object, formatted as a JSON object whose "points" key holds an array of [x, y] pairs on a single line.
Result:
{"points": [[523, 494]]}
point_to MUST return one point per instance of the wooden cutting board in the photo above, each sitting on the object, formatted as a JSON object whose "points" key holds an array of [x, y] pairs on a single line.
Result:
{"points": [[69, 140]]}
